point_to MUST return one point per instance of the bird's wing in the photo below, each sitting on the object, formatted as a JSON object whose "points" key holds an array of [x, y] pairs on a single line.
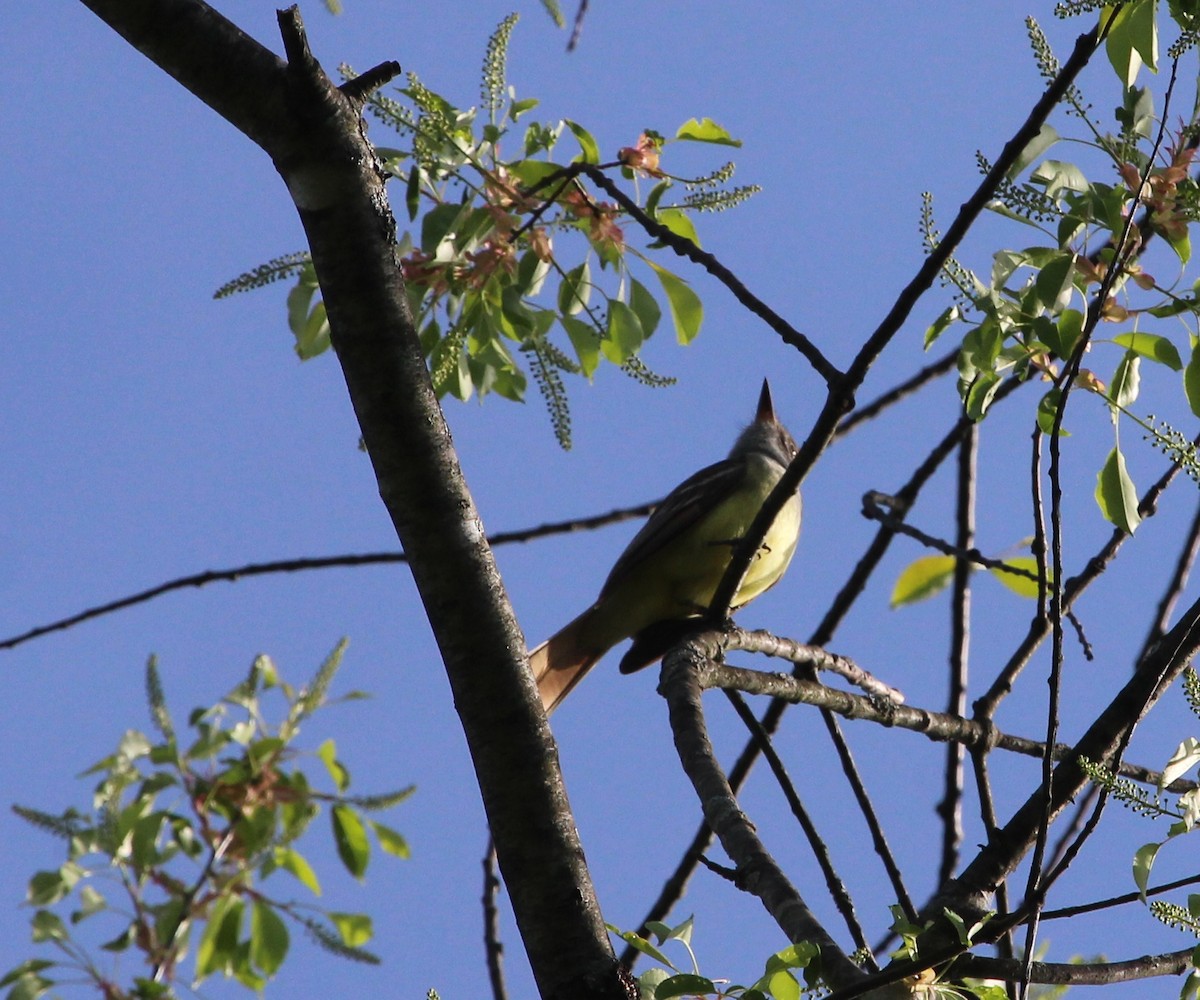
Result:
{"points": [[690, 501]]}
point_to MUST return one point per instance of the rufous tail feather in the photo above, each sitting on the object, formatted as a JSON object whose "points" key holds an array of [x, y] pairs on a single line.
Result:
{"points": [[560, 662]]}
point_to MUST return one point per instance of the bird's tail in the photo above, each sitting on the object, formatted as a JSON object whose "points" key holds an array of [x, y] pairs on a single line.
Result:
{"points": [[560, 662]]}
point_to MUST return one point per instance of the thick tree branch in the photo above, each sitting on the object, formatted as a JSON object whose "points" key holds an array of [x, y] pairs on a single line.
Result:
{"points": [[315, 136], [1109, 732]]}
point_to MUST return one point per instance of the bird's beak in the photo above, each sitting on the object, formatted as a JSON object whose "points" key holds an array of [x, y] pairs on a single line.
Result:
{"points": [[766, 410]]}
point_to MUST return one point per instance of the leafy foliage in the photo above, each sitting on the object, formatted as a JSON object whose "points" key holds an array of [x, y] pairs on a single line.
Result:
{"points": [[1183, 812], [778, 981], [1039, 310], [181, 838], [513, 263]]}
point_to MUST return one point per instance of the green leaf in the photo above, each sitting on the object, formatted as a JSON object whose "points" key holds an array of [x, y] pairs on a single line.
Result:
{"points": [[1180, 241], [783, 985], [29, 986], [292, 861], [1056, 176], [591, 151], [980, 394], [705, 130], [682, 985], [679, 222], [1132, 39], [48, 926], [624, 334], [687, 311], [1019, 583], [1152, 347], [47, 887], [639, 943], [1143, 861], [327, 751], [921, 579], [644, 306], [29, 967], [575, 289], [412, 193], [268, 938], [952, 314], [355, 928], [1066, 333], [1046, 137], [390, 840], [351, 838], [218, 947], [1191, 379], [91, 902], [1116, 495], [586, 342], [1055, 281], [1185, 757], [1126, 380], [1047, 408]]}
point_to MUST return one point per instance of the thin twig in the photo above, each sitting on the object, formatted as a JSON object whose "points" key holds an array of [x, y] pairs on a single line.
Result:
{"points": [[869, 411], [950, 808], [320, 562], [493, 947], [833, 882]]}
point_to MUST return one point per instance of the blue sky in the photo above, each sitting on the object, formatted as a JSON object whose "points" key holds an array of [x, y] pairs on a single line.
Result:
{"points": [[150, 432]]}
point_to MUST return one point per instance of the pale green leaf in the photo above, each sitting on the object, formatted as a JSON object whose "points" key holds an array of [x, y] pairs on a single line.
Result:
{"points": [[1116, 495], [684, 984], [268, 938], [390, 840], [949, 315], [705, 130], [687, 311], [354, 928], [921, 579], [1126, 380], [351, 838], [624, 334], [292, 861], [1019, 583], [1152, 347], [591, 151], [1143, 861], [1185, 757], [1191, 379], [679, 222]]}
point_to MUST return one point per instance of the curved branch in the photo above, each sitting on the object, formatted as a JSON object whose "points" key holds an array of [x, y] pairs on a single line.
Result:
{"points": [[757, 871]]}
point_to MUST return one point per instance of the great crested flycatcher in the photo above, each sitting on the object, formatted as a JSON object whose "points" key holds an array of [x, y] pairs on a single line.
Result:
{"points": [[671, 568]]}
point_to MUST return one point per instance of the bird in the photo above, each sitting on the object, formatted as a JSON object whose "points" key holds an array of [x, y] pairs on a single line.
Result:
{"points": [[667, 575]]}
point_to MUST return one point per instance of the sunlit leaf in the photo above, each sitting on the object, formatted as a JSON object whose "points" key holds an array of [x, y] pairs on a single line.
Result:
{"points": [[687, 311], [351, 838], [1152, 347], [1020, 583], [921, 579], [1185, 757], [268, 938], [355, 928], [1143, 862], [684, 984], [705, 130], [1116, 495], [591, 151], [390, 840]]}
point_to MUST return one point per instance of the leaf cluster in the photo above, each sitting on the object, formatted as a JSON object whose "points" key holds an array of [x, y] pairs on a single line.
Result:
{"points": [[1039, 310], [778, 981], [514, 266], [184, 830]]}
